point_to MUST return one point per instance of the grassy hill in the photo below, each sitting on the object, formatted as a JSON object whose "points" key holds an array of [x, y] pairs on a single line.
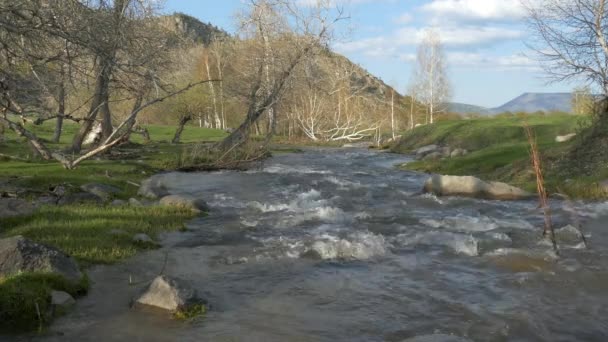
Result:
{"points": [[500, 152]]}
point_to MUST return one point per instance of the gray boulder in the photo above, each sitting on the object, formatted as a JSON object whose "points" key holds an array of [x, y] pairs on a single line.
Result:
{"points": [[184, 201], [446, 151], [80, 198], [153, 188], [118, 203], [433, 156], [469, 186], [62, 301], [103, 191], [169, 294], [10, 207], [421, 152], [18, 254]]}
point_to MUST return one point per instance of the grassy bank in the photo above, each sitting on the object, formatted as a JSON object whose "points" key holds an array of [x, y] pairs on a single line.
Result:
{"points": [[500, 152], [91, 234]]}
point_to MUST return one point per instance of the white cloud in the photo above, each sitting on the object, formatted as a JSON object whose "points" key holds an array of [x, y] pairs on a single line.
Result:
{"points": [[468, 59], [453, 36], [476, 10], [405, 18]]}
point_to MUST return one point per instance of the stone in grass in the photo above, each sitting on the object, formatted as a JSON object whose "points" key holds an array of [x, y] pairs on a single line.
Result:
{"points": [[10, 207], [62, 301], [103, 191], [80, 198], [173, 295], [18, 254], [184, 201], [134, 202], [143, 239]]}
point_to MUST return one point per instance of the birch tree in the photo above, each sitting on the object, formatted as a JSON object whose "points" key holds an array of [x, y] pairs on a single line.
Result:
{"points": [[430, 74]]}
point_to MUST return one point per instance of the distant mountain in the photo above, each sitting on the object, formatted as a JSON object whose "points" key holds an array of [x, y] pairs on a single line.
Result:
{"points": [[463, 108], [533, 102]]}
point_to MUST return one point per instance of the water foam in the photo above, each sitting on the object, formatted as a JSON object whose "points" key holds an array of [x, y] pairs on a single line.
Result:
{"points": [[463, 223], [460, 243], [359, 246]]}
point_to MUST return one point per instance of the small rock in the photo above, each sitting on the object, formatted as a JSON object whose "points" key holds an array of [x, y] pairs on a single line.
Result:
{"points": [[564, 138], [433, 156], [102, 191], [458, 152], [134, 202], [421, 152], [62, 300], [18, 254], [143, 238], [446, 151], [10, 207], [80, 198], [153, 188], [184, 201], [169, 294], [118, 203]]}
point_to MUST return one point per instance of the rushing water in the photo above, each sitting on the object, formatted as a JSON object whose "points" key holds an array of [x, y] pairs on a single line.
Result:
{"points": [[337, 245]]}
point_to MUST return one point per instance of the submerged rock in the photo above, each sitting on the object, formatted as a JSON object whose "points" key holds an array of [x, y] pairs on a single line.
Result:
{"points": [[103, 191], [62, 300], [469, 186], [171, 294], [18, 254], [184, 201], [437, 338], [10, 207]]}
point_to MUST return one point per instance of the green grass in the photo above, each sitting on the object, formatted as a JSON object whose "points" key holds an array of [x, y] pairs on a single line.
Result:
{"points": [[499, 151], [25, 300], [84, 231]]}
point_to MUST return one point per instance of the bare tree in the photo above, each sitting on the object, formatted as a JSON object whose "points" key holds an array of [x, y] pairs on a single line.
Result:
{"points": [[28, 31], [281, 34], [570, 39], [430, 74]]}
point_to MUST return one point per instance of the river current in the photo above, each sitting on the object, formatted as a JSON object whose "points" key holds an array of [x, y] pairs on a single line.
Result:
{"points": [[338, 245]]}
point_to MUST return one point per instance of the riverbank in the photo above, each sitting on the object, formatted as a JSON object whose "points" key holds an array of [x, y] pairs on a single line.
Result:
{"points": [[91, 229], [499, 151]]}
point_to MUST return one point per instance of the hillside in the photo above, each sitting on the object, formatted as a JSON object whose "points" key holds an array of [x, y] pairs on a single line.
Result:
{"points": [[192, 28], [463, 108], [500, 152], [533, 102]]}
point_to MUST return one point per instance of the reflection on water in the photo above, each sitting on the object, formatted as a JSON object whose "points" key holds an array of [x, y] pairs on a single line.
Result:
{"points": [[336, 245]]}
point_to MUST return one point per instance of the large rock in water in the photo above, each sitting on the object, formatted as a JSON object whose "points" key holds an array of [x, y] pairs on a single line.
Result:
{"points": [[169, 294], [18, 254], [184, 201], [469, 186]]}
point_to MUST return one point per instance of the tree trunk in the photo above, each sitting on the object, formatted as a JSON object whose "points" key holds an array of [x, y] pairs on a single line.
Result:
{"points": [[61, 114], [99, 101], [180, 128]]}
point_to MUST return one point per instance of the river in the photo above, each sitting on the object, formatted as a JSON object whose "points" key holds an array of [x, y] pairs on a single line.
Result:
{"points": [[338, 245]]}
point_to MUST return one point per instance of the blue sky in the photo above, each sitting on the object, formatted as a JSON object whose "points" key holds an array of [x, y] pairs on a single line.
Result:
{"points": [[489, 63]]}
